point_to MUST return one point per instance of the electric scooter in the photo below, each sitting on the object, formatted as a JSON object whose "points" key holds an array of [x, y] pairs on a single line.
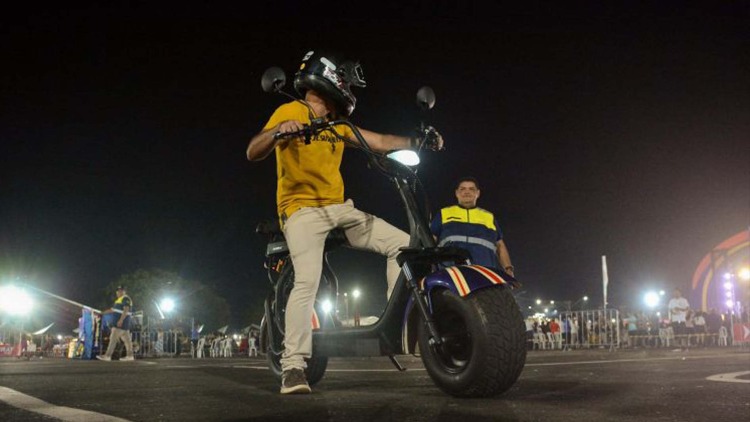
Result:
{"points": [[461, 319]]}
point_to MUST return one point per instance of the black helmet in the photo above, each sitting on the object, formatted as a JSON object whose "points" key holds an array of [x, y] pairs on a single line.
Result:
{"points": [[332, 77]]}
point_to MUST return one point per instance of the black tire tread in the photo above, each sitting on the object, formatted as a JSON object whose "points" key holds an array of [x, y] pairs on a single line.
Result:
{"points": [[504, 356]]}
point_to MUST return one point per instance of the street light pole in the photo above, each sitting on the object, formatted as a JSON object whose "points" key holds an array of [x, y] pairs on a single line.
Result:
{"points": [[346, 305], [356, 294]]}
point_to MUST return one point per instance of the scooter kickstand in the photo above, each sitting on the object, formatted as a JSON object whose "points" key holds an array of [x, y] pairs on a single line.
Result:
{"points": [[396, 363]]}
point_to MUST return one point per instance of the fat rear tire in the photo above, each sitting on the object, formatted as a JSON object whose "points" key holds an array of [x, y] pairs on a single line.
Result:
{"points": [[484, 342]]}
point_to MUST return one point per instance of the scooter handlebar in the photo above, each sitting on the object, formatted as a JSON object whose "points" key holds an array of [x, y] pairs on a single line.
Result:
{"points": [[306, 132]]}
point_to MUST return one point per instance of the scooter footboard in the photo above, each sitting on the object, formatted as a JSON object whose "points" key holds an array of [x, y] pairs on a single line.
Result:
{"points": [[461, 280]]}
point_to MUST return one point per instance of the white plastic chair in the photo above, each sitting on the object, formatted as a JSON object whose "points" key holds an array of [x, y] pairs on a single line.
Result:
{"points": [[551, 340], [559, 340], [664, 337], [215, 347], [252, 348], [540, 341], [226, 348]]}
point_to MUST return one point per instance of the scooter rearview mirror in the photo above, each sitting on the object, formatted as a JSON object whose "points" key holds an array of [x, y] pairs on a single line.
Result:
{"points": [[426, 98], [273, 79]]}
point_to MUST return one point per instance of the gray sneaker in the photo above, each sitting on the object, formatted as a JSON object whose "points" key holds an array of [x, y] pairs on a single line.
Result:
{"points": [[293, 381], [104, 358]]}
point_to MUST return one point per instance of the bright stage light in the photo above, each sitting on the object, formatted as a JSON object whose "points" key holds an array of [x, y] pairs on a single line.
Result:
{"points": [[15, 301], [730, 304], [744, 273], [167, 305]]}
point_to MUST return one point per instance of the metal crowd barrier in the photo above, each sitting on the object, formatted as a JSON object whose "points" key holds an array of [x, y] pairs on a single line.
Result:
{"points": [[598, 328], [153, 340], [665, 337]]}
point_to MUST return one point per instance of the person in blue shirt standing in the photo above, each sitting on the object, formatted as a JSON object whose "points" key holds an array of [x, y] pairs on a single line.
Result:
{"points": [[467, 226], [121, 328]]}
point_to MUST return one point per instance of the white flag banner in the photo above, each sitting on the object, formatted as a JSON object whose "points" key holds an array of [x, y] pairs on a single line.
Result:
{"points": [[43, 330], [605, 279]]}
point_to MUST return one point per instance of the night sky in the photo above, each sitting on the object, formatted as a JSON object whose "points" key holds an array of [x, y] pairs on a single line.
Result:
{"points": [[623, 133]]}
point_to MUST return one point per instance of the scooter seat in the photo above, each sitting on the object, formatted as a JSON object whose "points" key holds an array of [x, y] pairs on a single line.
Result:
{"points": [[278, 245], [432, 255]]}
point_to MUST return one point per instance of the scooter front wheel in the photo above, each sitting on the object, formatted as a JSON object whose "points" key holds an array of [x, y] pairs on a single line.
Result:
{"points": [[483, 342]]}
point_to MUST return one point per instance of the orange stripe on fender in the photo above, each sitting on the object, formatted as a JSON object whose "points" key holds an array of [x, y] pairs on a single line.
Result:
{"points": [[457, 278], [315, 320], [491, 275]]}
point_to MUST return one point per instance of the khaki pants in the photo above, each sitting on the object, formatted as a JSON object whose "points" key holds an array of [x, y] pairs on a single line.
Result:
{"points": [[115, 336], [305, 233]]}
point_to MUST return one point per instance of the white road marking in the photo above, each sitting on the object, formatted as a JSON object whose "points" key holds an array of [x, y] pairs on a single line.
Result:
{"points": [[595, 362], [33, 404], [730, 377], [584, 362]]}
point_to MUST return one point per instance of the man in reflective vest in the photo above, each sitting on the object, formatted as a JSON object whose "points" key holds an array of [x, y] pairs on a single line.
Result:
{"points": [[120, 329], [467, 226]]}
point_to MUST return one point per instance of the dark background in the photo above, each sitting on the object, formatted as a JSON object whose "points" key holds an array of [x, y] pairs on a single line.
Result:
{"points": [[599, 131]]}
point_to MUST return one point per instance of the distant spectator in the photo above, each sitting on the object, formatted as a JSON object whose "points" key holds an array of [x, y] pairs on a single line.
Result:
{"points": [[713, 324], [195, 335], [565, 328], [252, 345], [678, 307], [689, 325], [632, 326], [529, 333], [574, 331], [554, 327]]}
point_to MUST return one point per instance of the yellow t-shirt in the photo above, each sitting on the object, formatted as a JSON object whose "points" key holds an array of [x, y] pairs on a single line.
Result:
{"points": [[308, 175]]}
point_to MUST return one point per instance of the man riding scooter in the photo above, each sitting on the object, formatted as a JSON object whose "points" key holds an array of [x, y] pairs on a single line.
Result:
{"points": [[310, 193]]}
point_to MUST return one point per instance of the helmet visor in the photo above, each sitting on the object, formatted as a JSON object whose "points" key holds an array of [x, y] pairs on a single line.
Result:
{"points": [[353, 74]]}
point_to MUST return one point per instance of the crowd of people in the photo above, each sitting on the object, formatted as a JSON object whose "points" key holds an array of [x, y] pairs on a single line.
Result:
{"points": [[701, 329], [221, 345], [630, 329], [572, 330]]}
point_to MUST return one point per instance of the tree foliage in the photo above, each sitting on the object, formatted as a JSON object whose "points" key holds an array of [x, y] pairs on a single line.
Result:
{"points": [[192, 299]]}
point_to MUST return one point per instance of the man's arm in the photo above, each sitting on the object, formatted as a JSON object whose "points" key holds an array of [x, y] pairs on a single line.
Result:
{"points": [[123, 315], [383, 143], [674, 306], [504, 257], [262, 144]]}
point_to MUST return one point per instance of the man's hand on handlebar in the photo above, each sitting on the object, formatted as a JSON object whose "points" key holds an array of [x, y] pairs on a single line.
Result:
{"points": [[430, 138], [289, 126]]}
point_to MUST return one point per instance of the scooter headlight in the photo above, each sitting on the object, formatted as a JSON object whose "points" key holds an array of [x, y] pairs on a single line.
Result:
{"points": [[406, 157]]}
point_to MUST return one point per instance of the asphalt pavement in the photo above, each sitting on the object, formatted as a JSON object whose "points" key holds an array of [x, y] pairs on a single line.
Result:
{"points": [[581, 385]]}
